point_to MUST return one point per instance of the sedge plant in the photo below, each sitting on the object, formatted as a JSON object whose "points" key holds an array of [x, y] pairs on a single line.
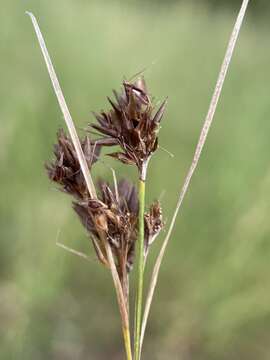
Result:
{"points": [[114, 215]]}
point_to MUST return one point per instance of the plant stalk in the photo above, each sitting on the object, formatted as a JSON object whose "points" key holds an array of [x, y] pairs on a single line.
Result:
{"points": [[121, 301], [126, 335], [139, 297]]}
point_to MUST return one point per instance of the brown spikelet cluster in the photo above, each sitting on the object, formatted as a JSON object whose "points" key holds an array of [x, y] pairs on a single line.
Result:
{"points": [[113, 215], [65, 169], [131, 123], [153, 224]]}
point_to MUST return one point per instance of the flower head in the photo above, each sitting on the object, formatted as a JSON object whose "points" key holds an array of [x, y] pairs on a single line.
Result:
{"points": [[131, 123], [65, 169], [115, 216], [153, 224]]}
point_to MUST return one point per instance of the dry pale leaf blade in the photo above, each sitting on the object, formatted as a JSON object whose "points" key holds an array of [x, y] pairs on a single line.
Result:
{"points": [[117, 284], [200, 145], [121, 300], [64, 108]]}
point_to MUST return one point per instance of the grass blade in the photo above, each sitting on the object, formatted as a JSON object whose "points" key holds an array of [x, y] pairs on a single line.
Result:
{"points": [[64, 108], [200, 145]]}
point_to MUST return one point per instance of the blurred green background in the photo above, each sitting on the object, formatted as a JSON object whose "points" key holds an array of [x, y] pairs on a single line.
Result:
{"points": [[213, 296]]}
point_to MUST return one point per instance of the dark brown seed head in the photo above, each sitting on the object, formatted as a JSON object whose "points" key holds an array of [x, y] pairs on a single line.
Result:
{"points": [[115, 215], [65, 169], [153, 224], [131, 123]]}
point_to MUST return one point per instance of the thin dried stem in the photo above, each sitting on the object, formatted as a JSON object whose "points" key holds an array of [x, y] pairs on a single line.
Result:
{"points": [[64, 108], [115, 184], [200, 145], [166, 151], [121, 301], [74, 252]]}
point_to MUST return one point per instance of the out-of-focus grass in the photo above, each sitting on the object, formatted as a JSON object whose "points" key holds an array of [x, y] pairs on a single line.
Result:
{"points": [[213, 296]]}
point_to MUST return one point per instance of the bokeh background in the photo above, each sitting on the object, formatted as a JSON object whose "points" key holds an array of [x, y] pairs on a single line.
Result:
{"points": [[213, 296]]}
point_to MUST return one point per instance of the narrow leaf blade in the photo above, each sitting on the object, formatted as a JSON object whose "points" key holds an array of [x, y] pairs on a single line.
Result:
{"points": [[203, 136], [64, 108]]}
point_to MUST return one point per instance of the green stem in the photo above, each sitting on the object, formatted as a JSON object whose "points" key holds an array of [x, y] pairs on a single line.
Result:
{"points": [[139, 298]]}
